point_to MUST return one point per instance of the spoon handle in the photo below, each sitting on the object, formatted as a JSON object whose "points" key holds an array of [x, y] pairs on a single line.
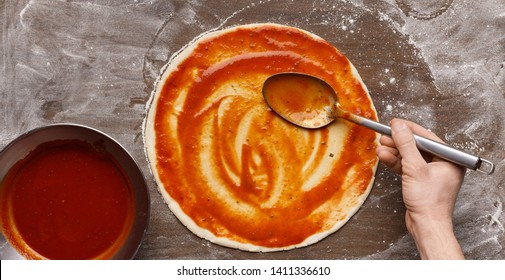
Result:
{"points": [[435, 148]]}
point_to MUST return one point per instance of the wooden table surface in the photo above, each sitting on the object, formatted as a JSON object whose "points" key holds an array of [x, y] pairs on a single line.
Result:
{"points": [[438, 63]]}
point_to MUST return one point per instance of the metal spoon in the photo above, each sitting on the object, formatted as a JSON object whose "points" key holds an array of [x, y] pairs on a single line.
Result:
{"points": [[310, 102]]}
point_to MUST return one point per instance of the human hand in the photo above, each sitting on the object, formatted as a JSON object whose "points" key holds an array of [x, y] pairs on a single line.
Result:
{"points": [[430, 186]]}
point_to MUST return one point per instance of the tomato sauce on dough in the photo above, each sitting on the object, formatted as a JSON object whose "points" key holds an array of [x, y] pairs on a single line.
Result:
{"points": [[67, 199], [235, 167]]}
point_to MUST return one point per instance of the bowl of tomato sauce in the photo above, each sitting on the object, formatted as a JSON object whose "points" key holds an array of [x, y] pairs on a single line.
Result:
{"points": [[69, 191]]}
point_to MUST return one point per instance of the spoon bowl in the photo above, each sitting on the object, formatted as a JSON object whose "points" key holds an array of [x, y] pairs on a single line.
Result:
{"points": [[310, 102], [304, 100]]}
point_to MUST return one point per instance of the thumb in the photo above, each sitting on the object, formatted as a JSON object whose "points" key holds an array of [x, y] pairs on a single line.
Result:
{"points": [[406, 145]]}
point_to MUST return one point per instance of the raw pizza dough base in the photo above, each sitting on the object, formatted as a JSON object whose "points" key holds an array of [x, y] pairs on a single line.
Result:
{"points": [[335, 137]]}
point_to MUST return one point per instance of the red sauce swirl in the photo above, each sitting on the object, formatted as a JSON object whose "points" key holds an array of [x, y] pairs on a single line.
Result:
{"points": [[237, 169]]}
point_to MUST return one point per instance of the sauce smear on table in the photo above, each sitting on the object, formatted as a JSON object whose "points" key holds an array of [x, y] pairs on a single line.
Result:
{"points": [[67, 199]]}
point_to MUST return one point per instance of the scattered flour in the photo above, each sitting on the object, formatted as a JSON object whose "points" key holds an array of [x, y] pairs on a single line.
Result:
{"points": [[423, 60]]}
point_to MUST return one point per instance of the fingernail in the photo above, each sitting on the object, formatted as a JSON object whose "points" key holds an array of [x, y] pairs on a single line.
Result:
{"points": [[398, 125]]}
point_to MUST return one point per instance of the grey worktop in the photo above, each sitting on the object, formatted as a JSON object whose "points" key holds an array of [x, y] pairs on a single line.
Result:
{"points": [[438, 63]]}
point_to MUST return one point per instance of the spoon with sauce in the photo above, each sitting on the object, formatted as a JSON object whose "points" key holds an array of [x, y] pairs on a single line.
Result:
{"points": [[310, 102]]}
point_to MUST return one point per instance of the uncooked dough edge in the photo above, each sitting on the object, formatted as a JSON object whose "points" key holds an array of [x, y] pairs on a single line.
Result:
{"points": [[149, 138]]}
